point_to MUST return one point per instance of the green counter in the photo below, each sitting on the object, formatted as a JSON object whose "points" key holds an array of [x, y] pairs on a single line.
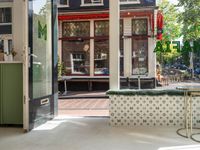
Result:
{"points": [[11, 93]]}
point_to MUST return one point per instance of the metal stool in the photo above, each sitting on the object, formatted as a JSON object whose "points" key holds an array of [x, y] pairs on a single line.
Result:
{"points": [[193, 93]]}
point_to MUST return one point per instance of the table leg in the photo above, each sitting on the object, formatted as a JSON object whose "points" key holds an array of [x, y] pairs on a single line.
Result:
{"points": [[186, 113], [65, 86], [191, 114]]}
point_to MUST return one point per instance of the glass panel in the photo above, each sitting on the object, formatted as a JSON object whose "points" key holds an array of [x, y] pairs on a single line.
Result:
{"points": [[64, 2], [121, 27], [76, 57], [139, 27], [42, 48], [5, 15], [92, 1], [1, 47], [76, 29], [101, 28], [101, 57], [140, 57], [10, 45]]}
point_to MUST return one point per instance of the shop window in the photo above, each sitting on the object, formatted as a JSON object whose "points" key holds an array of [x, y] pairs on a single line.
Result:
{"points": [[92, 2], [5, 15], [102, 28], [140, 57], [101, 57], [139, 27], [64, 2], [76, 29], [76, 57], [129, 1]]}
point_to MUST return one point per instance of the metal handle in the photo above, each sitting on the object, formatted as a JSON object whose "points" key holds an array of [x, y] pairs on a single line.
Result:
{"points": [[44, 101]]}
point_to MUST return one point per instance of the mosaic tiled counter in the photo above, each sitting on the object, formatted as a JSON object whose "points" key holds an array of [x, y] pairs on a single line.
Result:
{"points": [[150, 108]]}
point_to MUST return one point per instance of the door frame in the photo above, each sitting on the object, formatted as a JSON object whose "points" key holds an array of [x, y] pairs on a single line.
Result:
{"points": [[26, 63]]}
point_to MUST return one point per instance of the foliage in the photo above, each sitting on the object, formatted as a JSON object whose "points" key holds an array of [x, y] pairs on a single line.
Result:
{"points": [[191, 23], [61, 68], [190, 19], [172, 28], [170, 58], [171, 31]]}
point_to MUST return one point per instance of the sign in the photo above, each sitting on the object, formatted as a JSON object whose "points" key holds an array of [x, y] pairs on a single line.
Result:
{"points": [[176, 45]]}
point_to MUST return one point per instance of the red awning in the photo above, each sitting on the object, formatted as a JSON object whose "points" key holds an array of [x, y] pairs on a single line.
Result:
{"points": [[82, 16]]}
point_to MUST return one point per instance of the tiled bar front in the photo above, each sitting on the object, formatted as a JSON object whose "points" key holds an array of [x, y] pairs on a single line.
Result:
{"points": [[150, 108]]}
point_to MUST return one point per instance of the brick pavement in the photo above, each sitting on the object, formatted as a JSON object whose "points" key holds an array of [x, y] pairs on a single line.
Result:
{"points": [[83, 107]]}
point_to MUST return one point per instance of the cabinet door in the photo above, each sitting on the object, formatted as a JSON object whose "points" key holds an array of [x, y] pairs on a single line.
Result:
{"points": [[12, 94]]}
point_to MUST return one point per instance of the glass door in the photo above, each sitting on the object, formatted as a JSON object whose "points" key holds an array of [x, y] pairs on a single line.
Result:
{"points": [[41, 68]]}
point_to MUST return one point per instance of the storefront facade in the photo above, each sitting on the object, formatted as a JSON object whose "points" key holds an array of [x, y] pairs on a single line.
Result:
{"points": [[84, 40]]}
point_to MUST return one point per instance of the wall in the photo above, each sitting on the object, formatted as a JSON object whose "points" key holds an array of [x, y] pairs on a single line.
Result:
{"points": [[147, 110]]}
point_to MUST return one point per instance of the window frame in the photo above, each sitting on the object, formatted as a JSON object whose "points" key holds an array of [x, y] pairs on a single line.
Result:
{"points": [[7, 23], [92, 4], [130, 2], [63, 5], [81, 21], [147, 28]]}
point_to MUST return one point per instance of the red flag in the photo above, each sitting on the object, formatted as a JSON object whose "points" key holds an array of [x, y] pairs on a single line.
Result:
{"points": [[160, 23]]}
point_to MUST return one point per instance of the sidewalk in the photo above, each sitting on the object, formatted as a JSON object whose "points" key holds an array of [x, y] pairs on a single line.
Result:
{"points": [[83, 107]]}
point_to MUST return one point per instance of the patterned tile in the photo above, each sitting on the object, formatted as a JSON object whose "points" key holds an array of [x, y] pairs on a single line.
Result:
{"points": [[151, 111]]}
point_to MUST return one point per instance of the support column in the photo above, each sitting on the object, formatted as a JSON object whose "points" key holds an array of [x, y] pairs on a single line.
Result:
{"points": [[18, 28], [127, 47], [114, 26], [60, 41]]}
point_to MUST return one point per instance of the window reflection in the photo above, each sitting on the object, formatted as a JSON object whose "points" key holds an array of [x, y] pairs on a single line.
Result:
{"points": [[101, 57], [76, 57], [140, 57]]}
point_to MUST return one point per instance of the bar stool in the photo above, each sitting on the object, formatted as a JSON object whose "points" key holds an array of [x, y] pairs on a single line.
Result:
{"points": [[187, 106], [193, 93]]}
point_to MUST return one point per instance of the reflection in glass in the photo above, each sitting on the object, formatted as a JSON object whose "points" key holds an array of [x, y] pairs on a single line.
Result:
{"points": [[42, 48], [93, 1], [76, 57], [139, 27], [140, 57], [101, 57], [101, 28], [76, 29]]}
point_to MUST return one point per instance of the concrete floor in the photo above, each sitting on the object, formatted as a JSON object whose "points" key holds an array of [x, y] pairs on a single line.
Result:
{"points": [[92, 134]]}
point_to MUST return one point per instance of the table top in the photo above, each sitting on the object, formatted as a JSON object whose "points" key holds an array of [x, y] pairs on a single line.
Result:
{"points": [[189, 88]]}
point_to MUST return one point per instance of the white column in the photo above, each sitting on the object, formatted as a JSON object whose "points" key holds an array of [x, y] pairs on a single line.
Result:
{"points": [[114, 44], [92, 48], [151, 58], [127, 47], [20, 44], [18, 27], [60, 41]]}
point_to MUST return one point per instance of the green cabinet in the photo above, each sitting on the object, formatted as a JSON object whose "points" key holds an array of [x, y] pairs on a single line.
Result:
{"points": [[11, 93]]}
